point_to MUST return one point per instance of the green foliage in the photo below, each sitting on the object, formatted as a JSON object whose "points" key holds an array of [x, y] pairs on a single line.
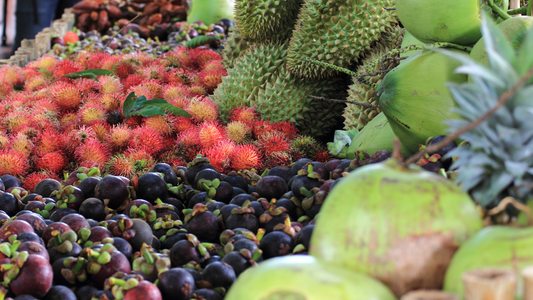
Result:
{"points": [[496, 162], [92, 74], [200, 41], [140, 106]]}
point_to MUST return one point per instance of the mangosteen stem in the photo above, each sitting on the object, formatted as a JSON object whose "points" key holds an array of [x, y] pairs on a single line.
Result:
{"points": [[485, 284], [79, 264], [148, 256], [518, 11], [116, 281]]}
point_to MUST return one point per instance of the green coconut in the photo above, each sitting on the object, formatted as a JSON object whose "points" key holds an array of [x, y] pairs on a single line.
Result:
{"points": [[210, 11], [400, 226], [376, 135], [415, 98], [496, 247], [456, 21], [302, 277], [514, 29]]}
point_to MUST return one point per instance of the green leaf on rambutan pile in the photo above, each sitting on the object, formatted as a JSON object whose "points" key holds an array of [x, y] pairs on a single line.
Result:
{"points": [[140, 106], [92, 74], [200, 40]]}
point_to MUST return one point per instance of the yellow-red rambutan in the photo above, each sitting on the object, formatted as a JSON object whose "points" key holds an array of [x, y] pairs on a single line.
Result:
{"points": [[273, 141], [155, 88], [211, 79], [111, 101], [142, 161], [13, 163], [31, 180], [286, 128], [173, 91], [54, 161], [197, 90], [110, 85], [101, 128], [180, 123], [45, 64], [119, 137], [5, 142], [214, 65], [189, 137], [68, 121], [160, 124], [120, 165], [17, 119], [153, 72], [202, 109], [66, 96], [179, 57], [243, 114], [92, 153], [34, 84], [92, 60], [181, 77], [109, 62], [148, 139], [202, 57], [141, 90], [91, 113], [5, 89], [238, 131], [210, 133], [14, 76], [20, 143], [245, 157], [65, 67]]}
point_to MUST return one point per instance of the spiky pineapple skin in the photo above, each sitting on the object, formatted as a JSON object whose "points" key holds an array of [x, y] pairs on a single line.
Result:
{"points": [[336, 32], [260, 79], [356, 116], [267, 20]]}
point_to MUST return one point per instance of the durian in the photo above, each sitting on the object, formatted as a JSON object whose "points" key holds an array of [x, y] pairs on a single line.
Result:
{"points": [[336, 32], [267, 20], [260, 79], [234, 46], [357, 116]]}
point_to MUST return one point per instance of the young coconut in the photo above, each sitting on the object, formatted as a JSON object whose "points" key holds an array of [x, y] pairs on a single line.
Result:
{"points": [[399, 225]]}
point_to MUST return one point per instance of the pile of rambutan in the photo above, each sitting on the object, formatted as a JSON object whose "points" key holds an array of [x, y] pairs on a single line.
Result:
{"points": [[51, 125]]}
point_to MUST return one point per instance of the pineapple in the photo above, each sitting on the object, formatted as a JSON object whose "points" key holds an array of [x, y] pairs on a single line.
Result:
{"points": [[496, 161]]}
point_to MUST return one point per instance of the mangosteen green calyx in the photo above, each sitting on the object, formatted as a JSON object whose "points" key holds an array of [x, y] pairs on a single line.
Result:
{"points": [[419, 220], [203, 223], [243, 217], [125, 286], [28, 274], [306, 179], [149, 264], [104, 261]]}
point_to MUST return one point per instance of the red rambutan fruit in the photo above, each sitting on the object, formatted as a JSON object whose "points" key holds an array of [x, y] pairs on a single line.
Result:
{"points": [[133, 122], [210, 133], [79, 136], [202, 57], [91, 113], [182, 77], [180, 123], [179, 57], [322, 156], [110, 85], [34, 84], [172, 91], [87, 86], [49, 140], [245, 157], [275, 159], [160, 124], [141, 90], [66, 96], [197, 90], [202, 109], [45, 64], [219, 155], [68, 121], [189, 137], [211, 79], [31, 180], [123, 69], [5, 89], [214, 65], [65, 67], [119, 137], [92, 60], [120, 165], [142, 161], [131, 81], [5, 142], [155, 88], [146, 138], [14, 76], [109, 62], [261, 127], [101, 128], [20, 143], [243, 114], [286, 128], [238, 131], [92, 153], [17, 119], [54, 161], [153, 72], [273, 141], [13, 163]]}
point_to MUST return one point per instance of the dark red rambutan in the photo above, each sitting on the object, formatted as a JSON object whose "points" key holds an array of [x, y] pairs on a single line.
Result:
{"points": [[31, 180], [180, 123], [133, 122], [54, 162], [202, 57], [286, 128], [65, 67], [261, 127], [13, 163], [322, 156], [211, 79], [146, 138], [123, 69], [245, 157], [210, 133], [273, 141], [132, 81], [49, 140], [277, 159], [92, 153], [243, 114]]}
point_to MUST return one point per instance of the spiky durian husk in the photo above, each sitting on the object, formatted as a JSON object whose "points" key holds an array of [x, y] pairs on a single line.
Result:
{"points": [[260, 79], [266, 20], [234, 46], [336, 32], [356, 116]]}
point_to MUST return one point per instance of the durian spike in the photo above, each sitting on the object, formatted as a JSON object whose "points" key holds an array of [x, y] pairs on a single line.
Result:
{"points": [[489, 283], [429, 295]]}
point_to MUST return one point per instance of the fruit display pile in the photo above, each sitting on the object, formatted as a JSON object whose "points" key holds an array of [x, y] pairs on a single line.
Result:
{"points": [[135, 169]]}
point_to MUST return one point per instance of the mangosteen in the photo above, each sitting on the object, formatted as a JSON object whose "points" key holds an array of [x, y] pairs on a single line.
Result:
{"points": [[240, 260], [303, 237], [112, 190], [10, 181], [123, 246], [58, 214], [35, 220], [14, 227], [219, 274], [271, 187], [45, 187], [195, 166], [206, 294], [238, 191], [225, 211], [281, 171], [200, 197], [168, 172], [34, 277], [241, 198], [204, 224], [88, 185], [75, 222], [236, 180], [92, 208], [380, 156], [151, 187], [299, 164], [306, 179], [225, 192], [206, 174], [176, 284], [185, 251], [243, 217], [276, 243], [141, 209], [9, 204], [102, 266], [333, 164], [85, 292], [292, 208]]}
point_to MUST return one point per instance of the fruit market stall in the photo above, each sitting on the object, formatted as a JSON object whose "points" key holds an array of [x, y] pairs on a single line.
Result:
{"points": [[297, 149]]}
